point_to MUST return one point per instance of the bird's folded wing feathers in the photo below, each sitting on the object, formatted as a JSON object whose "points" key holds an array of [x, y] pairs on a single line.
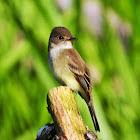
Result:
{"points": [[80, 70]]}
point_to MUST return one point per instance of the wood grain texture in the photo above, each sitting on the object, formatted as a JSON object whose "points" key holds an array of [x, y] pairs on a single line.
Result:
{"points": [[66, 116]]}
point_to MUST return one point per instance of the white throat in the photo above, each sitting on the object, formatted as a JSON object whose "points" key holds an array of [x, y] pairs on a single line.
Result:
{"points": [[62, 45], [57, 48]]}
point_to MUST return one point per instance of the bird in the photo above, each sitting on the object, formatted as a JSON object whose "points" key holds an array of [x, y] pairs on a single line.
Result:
{"points": [[68, 67]]}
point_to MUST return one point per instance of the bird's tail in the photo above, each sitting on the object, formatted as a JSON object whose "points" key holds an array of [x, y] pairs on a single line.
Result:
{"points": [[93, 115]]}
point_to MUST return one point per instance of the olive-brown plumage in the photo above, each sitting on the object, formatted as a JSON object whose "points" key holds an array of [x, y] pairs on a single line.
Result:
{"points": [[68, 67]]}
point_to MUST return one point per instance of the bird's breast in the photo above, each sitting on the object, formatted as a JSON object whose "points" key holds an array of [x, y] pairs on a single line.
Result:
{"points": [[60, 69], [58, 66]]}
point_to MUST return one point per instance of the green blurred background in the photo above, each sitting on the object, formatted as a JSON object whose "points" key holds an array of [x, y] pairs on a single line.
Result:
{"points": [[109, 42]]}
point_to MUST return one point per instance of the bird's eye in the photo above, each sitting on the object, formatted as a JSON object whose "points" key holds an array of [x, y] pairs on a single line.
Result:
{"points": [[61, 37]]}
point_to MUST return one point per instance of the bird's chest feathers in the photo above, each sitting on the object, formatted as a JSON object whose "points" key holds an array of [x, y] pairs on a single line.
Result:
{"points": [[57, 50], [58, 62]]}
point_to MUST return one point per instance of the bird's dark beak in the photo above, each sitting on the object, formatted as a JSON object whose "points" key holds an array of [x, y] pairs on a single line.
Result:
{"points": [[72, 39]]}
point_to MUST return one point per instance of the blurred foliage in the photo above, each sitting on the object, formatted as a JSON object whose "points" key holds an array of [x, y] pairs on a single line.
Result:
{"points": [[109, 42]]}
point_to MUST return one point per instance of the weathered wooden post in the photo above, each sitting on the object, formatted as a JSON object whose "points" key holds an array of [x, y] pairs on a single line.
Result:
{"points": [[68, 123]]}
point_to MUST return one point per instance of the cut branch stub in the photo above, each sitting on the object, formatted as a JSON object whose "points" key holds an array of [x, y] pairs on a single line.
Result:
{"points": [[65, 113]]}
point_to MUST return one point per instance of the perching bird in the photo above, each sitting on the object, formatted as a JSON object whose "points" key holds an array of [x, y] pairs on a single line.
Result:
{"points": [[68, 67]]}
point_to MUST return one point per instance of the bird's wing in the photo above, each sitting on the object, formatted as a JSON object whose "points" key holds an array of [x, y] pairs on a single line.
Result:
{"points": [[80, 70]]}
